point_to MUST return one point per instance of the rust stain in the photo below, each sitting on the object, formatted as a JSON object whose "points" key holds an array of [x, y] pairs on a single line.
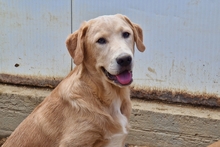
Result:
{"points": [[30, 80], [152, 70], [142, 93], [149, 76], [176, 96]]}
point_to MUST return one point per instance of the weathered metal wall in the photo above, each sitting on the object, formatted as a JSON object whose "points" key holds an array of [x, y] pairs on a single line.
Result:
{"points": [[181, 62], [32, 40], [182, 59]]}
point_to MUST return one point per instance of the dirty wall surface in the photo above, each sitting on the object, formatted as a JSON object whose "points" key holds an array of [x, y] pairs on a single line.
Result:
{"points": [[180, 64]]}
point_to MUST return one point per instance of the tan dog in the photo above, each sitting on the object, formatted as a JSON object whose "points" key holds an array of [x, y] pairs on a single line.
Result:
{"points": [[91, 106], [215, 144]]}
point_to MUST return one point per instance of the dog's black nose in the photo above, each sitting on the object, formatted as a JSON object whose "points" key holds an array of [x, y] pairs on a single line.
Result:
{"points": [[124, 60]]}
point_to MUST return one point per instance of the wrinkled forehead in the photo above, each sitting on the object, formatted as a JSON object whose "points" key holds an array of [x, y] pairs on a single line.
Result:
{"points": [[110, 23]]}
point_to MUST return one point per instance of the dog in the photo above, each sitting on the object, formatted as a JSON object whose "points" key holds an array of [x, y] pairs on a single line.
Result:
{"points": [[215, 144], [91, 106]]}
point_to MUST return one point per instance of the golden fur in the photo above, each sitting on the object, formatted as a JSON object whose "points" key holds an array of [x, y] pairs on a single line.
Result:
{"points": [[215, 144], [86, 109]]}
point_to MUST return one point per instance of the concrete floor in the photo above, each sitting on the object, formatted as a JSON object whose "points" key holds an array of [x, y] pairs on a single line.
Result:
{"points": [[153, 124]]}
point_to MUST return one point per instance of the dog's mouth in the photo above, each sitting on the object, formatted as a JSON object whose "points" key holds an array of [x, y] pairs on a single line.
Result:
{"points": [[124, 78]]}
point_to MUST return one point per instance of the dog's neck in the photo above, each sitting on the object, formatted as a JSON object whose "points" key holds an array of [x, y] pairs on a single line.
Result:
{"points": [[102, 88], [98, 94]]}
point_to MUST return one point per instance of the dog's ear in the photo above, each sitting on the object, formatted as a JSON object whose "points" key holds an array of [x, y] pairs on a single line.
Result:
{"points": [[138, 37], [138, 33], [75, 45]]}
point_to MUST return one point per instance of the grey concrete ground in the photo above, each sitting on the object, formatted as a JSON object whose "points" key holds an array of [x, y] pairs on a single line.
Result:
{"points": [[153, 124]]}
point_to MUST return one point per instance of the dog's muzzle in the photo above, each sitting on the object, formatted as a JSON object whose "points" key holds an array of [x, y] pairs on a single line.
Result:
{"points": [[125, 75]]}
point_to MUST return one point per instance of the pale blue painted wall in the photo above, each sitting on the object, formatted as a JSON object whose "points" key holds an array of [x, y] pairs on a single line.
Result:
{"points": [[182, 39]]}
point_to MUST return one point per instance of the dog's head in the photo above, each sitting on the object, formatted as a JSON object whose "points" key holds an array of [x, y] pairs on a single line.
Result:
{"points": [[105, 45]]}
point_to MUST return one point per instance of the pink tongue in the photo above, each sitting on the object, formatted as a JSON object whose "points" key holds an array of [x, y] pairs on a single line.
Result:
{"points": [[124, 77]]}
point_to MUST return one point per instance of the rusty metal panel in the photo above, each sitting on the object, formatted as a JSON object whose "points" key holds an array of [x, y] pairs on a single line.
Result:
{"points": [[32, 40], [181, 62]]}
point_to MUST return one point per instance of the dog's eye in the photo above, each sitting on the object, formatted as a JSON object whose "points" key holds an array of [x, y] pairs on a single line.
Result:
{"points": [[101, 41], [125, 34]]}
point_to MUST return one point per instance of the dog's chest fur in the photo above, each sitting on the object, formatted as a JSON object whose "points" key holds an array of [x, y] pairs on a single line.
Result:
{"points": [[117, 139], [116, 108]]}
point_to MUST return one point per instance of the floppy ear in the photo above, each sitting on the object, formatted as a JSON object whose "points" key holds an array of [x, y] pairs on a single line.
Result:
{"points": [[138, 37], [74, 44], [138, 33]]}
